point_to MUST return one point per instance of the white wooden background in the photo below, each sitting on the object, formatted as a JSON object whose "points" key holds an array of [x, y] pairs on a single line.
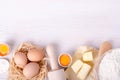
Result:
{"points": [[66, 23]]}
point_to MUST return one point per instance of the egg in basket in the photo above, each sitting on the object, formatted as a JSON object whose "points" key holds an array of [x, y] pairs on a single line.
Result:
{"points": [[28, 63]]}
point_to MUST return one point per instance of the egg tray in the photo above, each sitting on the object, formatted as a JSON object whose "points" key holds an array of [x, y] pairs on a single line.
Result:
{"points": [[16, 73]]}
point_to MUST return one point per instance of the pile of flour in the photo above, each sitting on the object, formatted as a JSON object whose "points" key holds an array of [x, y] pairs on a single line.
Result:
{"points": [[109, 68]]}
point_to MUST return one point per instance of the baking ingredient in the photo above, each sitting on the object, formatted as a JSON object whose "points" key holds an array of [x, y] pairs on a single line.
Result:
{"points": [[57, 75], [88, 56], [83, 49], [55, 72], [105, 46], [16, 73], [4, 65], [76, 66], [82, 74], [78, 55], [35, 54], [31, 69], [109, 68], [20, 59], [64, 60], [4, 49], [52, 57]]}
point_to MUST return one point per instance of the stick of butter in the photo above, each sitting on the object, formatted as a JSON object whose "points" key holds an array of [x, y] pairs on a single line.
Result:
{"points": [[88, 56], [77, 65], [82, 74], [82, 49]]}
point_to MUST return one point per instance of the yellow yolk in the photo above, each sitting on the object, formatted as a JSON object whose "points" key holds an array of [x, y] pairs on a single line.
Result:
{"points": [[65, 60], [4, 49]]}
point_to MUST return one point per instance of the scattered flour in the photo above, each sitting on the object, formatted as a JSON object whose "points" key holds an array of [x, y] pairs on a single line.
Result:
{"points": [[4, 65], [109, 68]]}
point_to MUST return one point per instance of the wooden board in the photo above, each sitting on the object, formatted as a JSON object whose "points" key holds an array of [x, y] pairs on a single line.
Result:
{"points": [[78, 55]]}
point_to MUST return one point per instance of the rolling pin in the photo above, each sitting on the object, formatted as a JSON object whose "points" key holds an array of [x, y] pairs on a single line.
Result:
{"points": [[55, 73], [105, 46]]}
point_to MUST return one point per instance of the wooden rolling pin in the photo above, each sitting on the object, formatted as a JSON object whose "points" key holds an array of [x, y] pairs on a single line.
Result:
{"points": [[55, 73], [105, 46]]}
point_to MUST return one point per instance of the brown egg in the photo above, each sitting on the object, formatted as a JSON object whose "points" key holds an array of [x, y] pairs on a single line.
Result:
{"points": [[35, 54], [31, 69], [20, 59]]}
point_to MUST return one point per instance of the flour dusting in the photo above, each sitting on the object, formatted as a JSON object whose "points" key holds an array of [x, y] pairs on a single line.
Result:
{"points": [[109, 68]]}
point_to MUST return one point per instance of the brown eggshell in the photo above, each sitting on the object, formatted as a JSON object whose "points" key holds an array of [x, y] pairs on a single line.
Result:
{"points": [[20, 59], [35, 54], [31, 69]]}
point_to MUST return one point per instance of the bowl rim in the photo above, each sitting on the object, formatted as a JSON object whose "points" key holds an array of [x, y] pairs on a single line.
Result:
{"points": [[69, 57], [9, 49]]}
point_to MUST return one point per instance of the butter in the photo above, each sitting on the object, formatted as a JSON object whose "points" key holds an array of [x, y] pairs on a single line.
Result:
{"points": [[88, 56], [82, 74], [77, 65], [82, 49]]}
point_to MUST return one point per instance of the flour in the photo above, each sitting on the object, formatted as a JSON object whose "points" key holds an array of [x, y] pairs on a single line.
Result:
{"points": [[109, 68], [4, 65]]}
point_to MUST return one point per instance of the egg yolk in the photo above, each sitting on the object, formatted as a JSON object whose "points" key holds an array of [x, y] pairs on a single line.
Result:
{"points": [[65, 60], [4, 49]]}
